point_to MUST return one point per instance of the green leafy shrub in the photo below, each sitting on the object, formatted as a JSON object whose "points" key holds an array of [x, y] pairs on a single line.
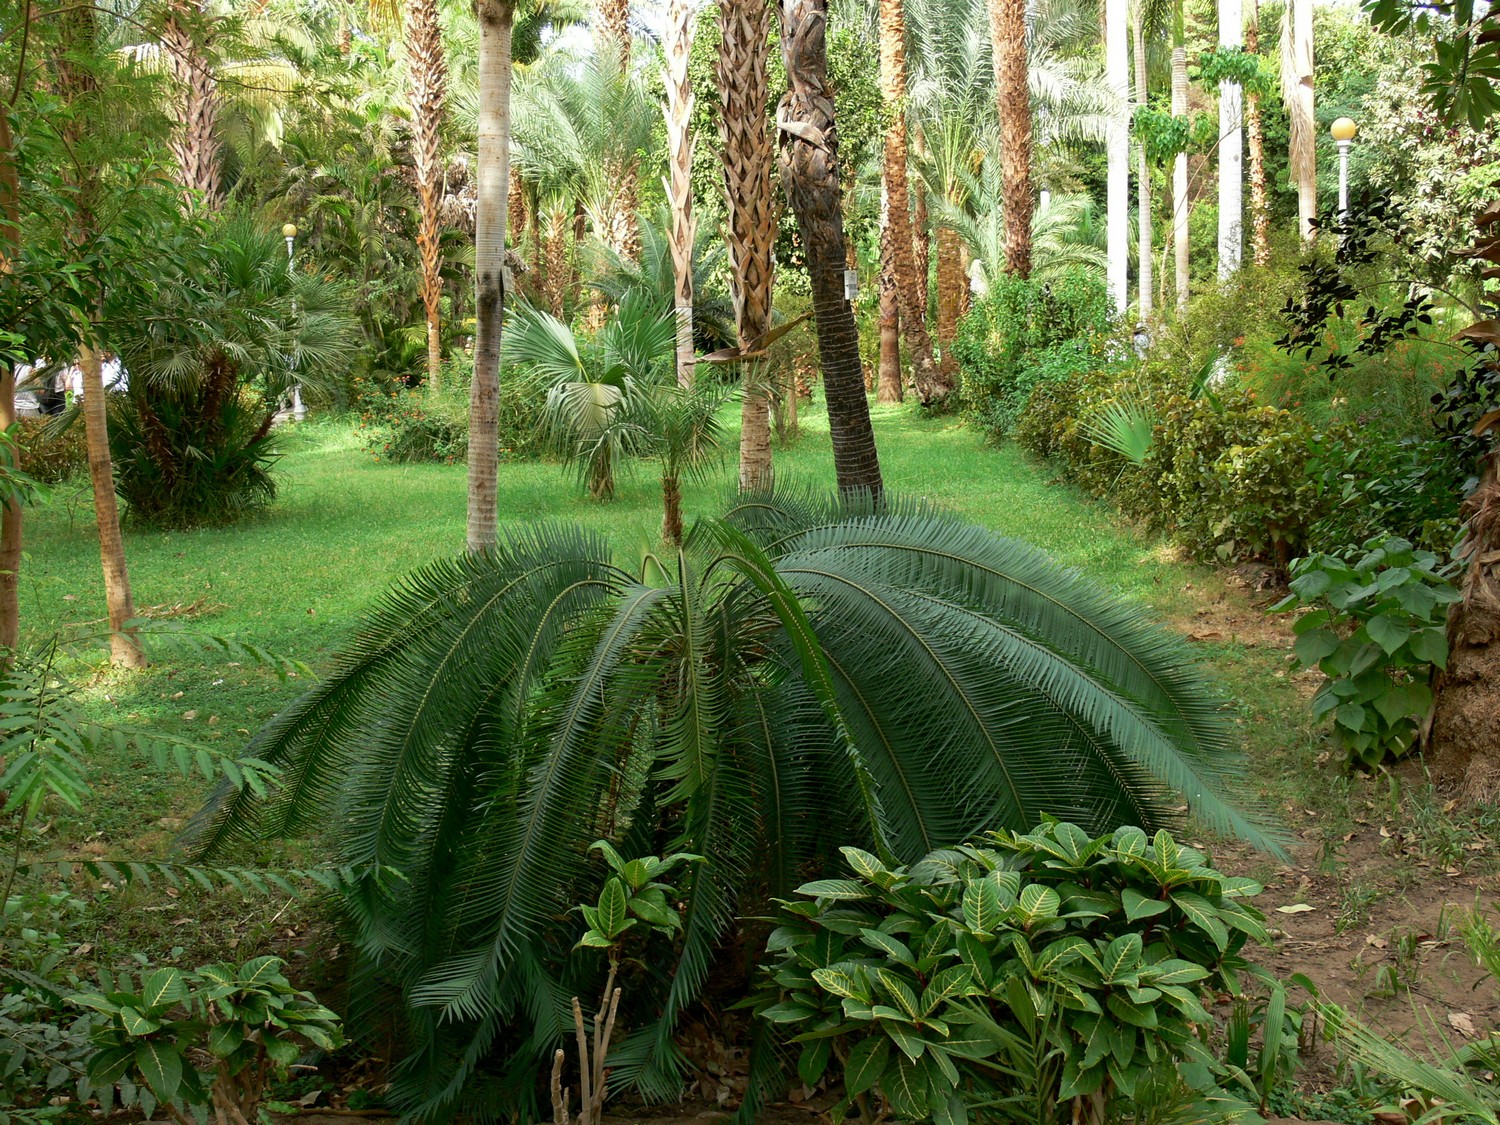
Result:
{"points": [[248, 1018], [412, 425], [1013, 977], [49, 454], [1026, 332], [1408, 488], [1377, 629]]}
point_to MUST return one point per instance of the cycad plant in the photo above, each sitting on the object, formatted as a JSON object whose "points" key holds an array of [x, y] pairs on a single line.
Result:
{"points": [[796, 677]]}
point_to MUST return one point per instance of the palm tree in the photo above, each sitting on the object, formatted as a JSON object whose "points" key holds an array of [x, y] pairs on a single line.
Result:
{"points": [[796, 677], [1260, 211], [1147, 18], [808, 143], [685, 435], [679, 114], [195, 139], [427, 74], [750, 233], [1231, 148], [1013, 101], [1117, 148], [1180, 204], [496, 18], [932, 384], [1297, 95]]}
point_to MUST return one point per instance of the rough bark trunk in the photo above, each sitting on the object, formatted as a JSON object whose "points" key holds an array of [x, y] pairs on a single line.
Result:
{"points": [[679, 114], [493, 174], [888, 377], [1144, 251], [557, 270], [671, 503], [1013, 102], [614, 25], [428, 78], [750, 234], [807, 138], [921, 237], [11, 513], [124, 648], [1181, 208], [1465, 729], [911, 289], [950, 287], [195, 112], [1260, 210]]}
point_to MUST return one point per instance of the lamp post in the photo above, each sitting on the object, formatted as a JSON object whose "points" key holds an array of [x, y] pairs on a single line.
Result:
{"points": [[299, 412], [1343, 131]]}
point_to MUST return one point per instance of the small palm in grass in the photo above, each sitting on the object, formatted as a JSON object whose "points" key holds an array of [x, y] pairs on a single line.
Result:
{"points": [[592, 415]]}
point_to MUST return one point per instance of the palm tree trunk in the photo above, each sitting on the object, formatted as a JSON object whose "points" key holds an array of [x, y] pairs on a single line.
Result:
{"points": [[1013, 101], [11, 513], [1260, 211], [124, 649], [556, 269], [1231, 149], [679, 113], [671, 502], [195, 136], [495, 21], [1465, 730], [888, 376], [1181, 208], [1144, 261], [921, 235], [1297, 93], [808, 142], [750, 234], [1117, 151], [614, 25], [428, 78], [911, 290], [950, 286]]}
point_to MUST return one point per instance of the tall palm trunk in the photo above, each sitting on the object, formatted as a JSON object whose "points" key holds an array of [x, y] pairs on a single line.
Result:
{"points": [[1144, 261], [1117, 151], [1297, 93], [11, 512], [1181, 207], [888, 374], [428, 78], [951, 285], [496, 18], [614, 26], [1465, 728], [1260, 211], [808, 143], [679, 113], [195, 139], [911, 290], [750, 234], [1013, 101], [1231, 148]]}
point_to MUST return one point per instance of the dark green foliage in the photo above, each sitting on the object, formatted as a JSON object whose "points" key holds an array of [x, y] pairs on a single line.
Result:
{"points": [[1377, 630], [50, 453], [176, 465], [1011, 977], [798, 671], [1025, 333], [1377, 487], [411, 424]]}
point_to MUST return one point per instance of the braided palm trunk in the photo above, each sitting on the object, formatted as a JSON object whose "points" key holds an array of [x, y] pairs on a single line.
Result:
{"points": [[888, 379], [195, 140], [745, 29], [679, 113], [428, 77], [1013, 102], [1181, 207], [911, 289], [807, 137], [496, 19]]}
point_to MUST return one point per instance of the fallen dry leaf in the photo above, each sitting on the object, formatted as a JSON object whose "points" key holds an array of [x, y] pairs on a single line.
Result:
{"points": [[1463, 1023], [1295, 908]]}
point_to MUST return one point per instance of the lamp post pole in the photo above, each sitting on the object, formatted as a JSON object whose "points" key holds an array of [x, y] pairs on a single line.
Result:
{"points": [[299, 411], [1343, 131]]}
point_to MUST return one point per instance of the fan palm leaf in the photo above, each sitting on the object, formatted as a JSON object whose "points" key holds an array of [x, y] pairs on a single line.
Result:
{"points": [[799, 675]]}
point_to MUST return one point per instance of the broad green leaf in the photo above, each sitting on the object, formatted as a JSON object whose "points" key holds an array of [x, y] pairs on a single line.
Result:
{"points": [[282, 1052], [1138, 906], [891, 947], [864, 864], [636, 874], [841, 981], [905, 1085], [1122, 956], [813, 1061], [841, 890], [909, 1041], [136, 1023], [1203, 915], [900, 991], [1038, 903], [981, 905], [225, 1038], [259, 971], [867, 1060], [612, 909], [161, 1066], [164, 988]]}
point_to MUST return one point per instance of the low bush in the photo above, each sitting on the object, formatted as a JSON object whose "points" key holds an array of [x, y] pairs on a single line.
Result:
{"points": [[1032, 978], [1025, 333], [412, 424], [49, 454]]}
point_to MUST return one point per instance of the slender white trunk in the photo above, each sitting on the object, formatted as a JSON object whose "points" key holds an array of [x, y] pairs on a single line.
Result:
{"points": [[1181, 207], [1117, 150], [1231, 147], [493, 191], [1143, 170]]}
